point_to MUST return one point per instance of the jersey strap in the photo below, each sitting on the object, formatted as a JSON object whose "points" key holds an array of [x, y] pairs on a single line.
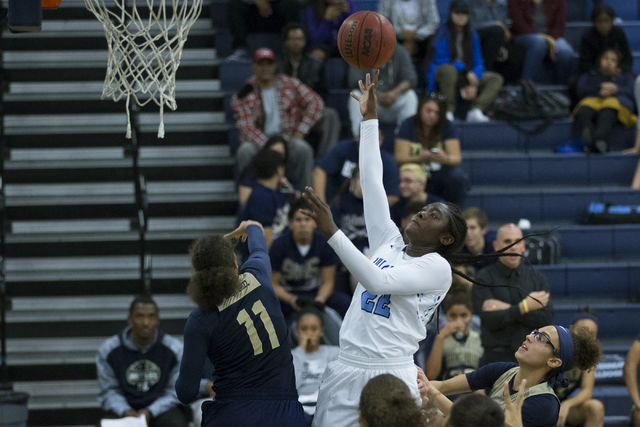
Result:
{"points": [[248, 284]]}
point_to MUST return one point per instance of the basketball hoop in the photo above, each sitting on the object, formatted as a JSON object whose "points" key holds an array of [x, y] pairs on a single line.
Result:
{"points": [[144, 52]]}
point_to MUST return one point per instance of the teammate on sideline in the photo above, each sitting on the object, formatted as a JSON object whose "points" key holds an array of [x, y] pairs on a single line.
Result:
{"points": [[239, 325], [399, 288]]}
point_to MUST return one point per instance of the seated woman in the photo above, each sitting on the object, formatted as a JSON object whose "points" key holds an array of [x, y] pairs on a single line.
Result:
{"points": [[322, 19], [456, 63], [544, 355], [310, 359], [413, 20], [603, 35], [429, 139], [606, 98], [538, 25]]}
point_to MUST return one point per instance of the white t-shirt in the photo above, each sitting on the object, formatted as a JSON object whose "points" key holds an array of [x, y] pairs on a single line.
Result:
{"points": [[309, 368], [271, 112], [397, 294], [409, 16]]}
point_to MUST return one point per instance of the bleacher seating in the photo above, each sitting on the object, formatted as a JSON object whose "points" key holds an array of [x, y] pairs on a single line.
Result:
{"points": [[73, 224]]}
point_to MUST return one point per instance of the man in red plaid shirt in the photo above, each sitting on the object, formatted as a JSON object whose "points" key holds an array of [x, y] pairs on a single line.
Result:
{"points": [[271, 104]]}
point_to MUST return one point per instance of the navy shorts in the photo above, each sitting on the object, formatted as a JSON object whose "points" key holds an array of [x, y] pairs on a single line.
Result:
{"points": [[237, 412]]}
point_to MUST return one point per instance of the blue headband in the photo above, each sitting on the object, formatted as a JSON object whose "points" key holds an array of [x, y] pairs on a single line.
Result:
{"points": [[582, 316], [565, 354]]}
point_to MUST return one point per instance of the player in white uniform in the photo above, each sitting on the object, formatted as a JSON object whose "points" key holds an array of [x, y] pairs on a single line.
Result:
{"points": [[399, 288]]}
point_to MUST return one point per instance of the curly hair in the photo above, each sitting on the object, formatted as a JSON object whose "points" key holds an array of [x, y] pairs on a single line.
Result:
{"points": [[587, 350], [215, 277], [387, 402], [475, 410]]}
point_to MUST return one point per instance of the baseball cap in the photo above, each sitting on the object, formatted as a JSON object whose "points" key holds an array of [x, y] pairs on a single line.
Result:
{"points": [[264, 53], [459, 6]]}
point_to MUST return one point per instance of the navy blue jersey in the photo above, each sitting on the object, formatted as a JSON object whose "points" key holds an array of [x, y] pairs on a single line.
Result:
{"points": [[298, 272], [340, 161], [537, 411], [245, 338], [348, 213]]}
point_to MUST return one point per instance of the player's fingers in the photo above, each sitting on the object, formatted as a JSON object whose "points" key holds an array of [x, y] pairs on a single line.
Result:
{"points": [[363, 89], [368, 78], [375, 77], [308, 213], [354, 96], [507, 396], [520, 396]]}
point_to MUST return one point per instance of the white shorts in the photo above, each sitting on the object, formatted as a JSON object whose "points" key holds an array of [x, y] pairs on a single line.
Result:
{"points": [[344, 379]]}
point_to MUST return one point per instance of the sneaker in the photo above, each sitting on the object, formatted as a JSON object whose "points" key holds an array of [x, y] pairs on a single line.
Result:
{"points": [[238, 55], [450, 116], [476, 116]]}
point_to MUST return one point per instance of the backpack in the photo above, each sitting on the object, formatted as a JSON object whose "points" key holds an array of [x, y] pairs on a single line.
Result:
{"points": [[606, 213], [543, 249], [525, 102]]}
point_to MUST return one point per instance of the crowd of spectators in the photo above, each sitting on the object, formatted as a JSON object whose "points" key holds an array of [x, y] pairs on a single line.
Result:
{"points": [[289, 140]]}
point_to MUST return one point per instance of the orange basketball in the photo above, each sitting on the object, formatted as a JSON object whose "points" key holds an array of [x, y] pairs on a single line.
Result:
{"points": [[366, 40]]}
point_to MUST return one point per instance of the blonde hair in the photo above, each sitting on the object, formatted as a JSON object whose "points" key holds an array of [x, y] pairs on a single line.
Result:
{"points": [[416, 170]]}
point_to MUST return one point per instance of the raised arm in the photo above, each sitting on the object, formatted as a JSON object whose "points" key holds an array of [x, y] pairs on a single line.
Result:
{"points": [[380, 228]]}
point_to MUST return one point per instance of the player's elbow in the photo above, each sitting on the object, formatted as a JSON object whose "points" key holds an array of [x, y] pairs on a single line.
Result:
{"points": [[186, 394]]}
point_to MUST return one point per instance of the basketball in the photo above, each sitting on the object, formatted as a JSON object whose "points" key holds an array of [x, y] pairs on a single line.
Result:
{"points": [[366, 40]]}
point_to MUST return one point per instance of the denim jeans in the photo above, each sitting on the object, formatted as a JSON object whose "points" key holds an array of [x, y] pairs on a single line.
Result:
{"points": [[536, 48]]}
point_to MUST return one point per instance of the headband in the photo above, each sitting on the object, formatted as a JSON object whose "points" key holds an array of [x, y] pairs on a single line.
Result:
{"points": [[565, 354]]}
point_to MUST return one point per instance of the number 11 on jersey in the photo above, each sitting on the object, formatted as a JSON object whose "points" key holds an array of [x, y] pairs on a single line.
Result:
{"points": [[244, 319]]}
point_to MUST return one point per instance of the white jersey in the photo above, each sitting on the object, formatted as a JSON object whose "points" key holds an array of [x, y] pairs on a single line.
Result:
{"points": [[397, 294]]}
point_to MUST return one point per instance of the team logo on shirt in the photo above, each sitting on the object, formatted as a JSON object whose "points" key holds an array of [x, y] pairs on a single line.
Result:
{"points": [[143, 374]]}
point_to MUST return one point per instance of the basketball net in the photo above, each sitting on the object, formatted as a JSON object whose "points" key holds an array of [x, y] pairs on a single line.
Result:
{"points": [[144, 53]]}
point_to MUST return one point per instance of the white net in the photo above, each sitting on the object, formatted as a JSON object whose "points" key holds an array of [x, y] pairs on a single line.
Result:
{"points": [[145, 46]]}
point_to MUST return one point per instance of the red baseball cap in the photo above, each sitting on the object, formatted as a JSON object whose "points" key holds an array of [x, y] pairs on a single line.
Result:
{"points": [[264, 53]]}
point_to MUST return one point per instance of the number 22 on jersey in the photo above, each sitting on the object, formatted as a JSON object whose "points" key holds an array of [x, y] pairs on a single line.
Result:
{"points": [[380, 307], [244, 319]]}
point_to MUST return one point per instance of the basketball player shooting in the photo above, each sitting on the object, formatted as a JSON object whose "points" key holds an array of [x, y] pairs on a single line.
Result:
{"points": [[399, 288]]}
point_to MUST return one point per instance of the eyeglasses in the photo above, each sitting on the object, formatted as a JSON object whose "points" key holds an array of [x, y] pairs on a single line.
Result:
{"points": [[436, 95], [543, 338]]}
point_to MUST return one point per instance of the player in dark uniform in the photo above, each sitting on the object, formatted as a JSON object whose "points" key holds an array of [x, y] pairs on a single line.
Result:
{"points": [[239, 326]]}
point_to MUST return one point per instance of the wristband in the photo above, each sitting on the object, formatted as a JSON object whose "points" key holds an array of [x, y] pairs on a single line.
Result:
{"points": [[525, 305]]}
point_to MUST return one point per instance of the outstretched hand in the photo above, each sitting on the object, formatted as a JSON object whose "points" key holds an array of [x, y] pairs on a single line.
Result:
{"points": [[319, 211], [367, 100], [241, 231]]}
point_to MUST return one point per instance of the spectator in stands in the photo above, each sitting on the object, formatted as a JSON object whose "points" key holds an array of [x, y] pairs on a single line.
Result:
{"points": [[431, 140], [538, 25], [500, 53], [601, 36], [542, 358], [476, 242], [413, 182], [248, 176], [304, 266], [606, 99], [506, 316], [396, 97], [630, 370], [323, 19], [455, 62], [267, 204], [413, 20], [270, 104], [456, 349], [348, 213], [257, 16], [138, 369], [336, 167], [310, 359], [298, 64], [635, 182], [580, 409], [387, 401]]}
